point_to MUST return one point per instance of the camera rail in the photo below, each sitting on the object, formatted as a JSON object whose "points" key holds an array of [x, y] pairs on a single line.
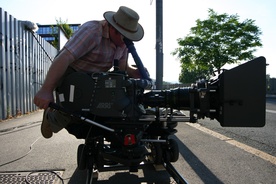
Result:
{"points": [[171, 170], [174, 173]]}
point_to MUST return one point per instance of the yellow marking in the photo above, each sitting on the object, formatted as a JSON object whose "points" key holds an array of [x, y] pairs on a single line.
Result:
{"points": [[242, 146]]}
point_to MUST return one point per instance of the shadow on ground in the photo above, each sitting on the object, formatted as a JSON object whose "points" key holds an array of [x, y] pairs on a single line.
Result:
{"points": [[146, 174]]}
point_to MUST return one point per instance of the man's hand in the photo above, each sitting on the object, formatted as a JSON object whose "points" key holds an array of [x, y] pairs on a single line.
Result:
{"points": [[43, 98]]}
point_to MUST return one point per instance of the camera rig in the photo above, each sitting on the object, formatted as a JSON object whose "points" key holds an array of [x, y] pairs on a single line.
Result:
{"points": [[136, 121]]}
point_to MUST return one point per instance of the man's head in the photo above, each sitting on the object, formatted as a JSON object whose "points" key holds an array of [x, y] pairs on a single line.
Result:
{"points": [[125, 21], [116, 37]]}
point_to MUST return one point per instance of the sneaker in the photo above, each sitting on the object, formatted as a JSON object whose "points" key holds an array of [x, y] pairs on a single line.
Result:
{"points": [[46, 130]]}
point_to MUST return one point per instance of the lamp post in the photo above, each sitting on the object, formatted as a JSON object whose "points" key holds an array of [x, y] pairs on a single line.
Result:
{"points": [[159, 44]]}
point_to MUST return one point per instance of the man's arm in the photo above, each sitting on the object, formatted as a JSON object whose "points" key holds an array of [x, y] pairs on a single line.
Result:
{"points": [[45, 95], [131, 71]]}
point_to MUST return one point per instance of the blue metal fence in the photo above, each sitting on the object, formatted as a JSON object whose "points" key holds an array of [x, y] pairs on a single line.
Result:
{"points": [[24, 60]]}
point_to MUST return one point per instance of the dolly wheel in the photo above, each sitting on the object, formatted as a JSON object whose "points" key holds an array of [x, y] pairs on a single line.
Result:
{"points": [[81, 157], [173, 150]]}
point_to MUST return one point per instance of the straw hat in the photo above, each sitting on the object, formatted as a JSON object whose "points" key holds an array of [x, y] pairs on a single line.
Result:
{"points": [[125, 21]]}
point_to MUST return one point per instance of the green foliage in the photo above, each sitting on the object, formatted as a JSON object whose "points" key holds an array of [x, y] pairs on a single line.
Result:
{"points": [[212, 43], [66, 29], [187, 76]]}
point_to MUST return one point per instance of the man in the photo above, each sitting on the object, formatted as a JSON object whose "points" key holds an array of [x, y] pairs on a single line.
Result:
{"points": [[93, 48]]}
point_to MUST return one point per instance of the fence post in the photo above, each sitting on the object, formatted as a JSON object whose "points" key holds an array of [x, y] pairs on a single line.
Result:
{"points": [[3, 64], [24, 63]]}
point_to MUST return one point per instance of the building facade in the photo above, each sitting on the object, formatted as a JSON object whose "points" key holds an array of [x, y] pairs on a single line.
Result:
{"points": [[48, 32]]}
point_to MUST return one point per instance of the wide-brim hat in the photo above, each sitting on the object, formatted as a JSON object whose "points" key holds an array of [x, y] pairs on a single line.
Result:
{"points": [[125, 21]]}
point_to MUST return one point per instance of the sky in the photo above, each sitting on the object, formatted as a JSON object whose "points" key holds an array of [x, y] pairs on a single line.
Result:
{"points": [[178, 17]]}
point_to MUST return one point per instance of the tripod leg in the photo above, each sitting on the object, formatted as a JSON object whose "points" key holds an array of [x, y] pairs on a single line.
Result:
{"points": [[89, 177], [92, 174]]}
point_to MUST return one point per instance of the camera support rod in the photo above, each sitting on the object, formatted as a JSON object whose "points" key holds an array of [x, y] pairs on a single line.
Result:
{"points": [[59, 108], [137, 59]]}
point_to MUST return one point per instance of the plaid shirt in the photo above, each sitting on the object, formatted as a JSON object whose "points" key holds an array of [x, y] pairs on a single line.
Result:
{"points": [[92, 48]]}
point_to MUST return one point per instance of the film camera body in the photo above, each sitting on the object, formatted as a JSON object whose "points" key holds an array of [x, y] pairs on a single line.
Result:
{"points": [[134, 123]]}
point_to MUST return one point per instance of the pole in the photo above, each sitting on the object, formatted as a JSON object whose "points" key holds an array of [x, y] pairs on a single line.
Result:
{"points": [[159, 44]]}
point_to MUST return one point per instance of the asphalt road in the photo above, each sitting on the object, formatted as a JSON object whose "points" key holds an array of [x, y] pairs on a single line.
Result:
{"points": [[263, 138], [208, 153]]}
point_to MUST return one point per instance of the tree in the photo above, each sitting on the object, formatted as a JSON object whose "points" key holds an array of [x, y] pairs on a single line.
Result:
{"points": [[219, 40], [66, 29], [187, 76]]}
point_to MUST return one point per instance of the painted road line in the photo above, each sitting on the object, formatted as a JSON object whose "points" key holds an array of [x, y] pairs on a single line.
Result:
{"points": [[242, 146], [271, 111]]}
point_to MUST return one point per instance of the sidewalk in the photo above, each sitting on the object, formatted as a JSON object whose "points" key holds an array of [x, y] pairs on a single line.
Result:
{"points": [[20, 121], [23, 149]]}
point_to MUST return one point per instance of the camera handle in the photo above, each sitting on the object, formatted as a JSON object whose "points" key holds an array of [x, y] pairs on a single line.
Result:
{"points": [[139, 64]]}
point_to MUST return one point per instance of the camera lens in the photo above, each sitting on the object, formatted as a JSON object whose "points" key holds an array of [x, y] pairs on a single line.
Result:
{"points": [[177, 98]]}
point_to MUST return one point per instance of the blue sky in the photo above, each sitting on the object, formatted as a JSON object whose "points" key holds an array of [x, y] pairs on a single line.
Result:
{"points": [[178, 17]]}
